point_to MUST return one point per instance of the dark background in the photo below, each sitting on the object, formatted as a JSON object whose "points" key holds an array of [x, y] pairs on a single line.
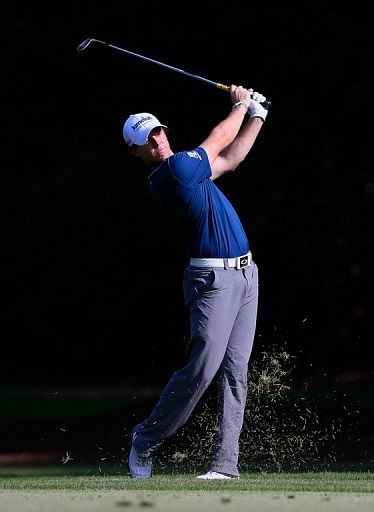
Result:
{"points": [[90, 276]]}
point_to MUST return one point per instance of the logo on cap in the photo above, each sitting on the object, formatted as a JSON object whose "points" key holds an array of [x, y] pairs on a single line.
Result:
{"points": [[137, 126]]}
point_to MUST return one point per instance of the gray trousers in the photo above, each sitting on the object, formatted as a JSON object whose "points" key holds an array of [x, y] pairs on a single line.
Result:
{"points": [[223, 308]]}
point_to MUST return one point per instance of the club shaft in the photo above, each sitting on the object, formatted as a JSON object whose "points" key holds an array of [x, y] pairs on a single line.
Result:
{"points": [[82, 46], [172, 68]]}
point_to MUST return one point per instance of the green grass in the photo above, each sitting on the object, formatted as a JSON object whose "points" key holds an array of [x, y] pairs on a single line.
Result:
{"points": [[72, 487], [95, 479], [78, 489]]}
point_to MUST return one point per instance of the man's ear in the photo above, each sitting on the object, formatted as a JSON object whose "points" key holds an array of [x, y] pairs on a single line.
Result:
{"points": [[133, 151]]}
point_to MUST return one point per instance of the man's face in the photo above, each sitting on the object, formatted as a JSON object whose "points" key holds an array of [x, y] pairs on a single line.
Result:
{"points": [[156, 149]]}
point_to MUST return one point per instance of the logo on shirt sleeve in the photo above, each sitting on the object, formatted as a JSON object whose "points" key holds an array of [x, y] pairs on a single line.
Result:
{"points": [[194, 154]]}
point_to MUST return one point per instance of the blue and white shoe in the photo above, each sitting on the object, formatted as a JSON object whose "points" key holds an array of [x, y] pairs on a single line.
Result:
{"points": [[139, 464]]}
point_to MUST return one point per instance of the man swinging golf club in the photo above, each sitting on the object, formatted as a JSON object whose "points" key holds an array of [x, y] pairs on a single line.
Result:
{"points": [[220, 282]]}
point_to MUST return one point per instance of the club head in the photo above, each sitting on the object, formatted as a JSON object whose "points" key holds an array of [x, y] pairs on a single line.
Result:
{"points": [[84, 44]]}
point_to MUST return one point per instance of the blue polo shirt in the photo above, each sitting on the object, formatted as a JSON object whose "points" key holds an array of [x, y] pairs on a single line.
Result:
{"points": [[202, 216]]}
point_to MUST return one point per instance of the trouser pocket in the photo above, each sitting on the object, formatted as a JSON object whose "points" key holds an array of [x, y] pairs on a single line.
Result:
{"points": [[199, 281]]}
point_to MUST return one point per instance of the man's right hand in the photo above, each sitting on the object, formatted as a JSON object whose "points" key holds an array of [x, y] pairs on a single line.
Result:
{"points": [[240, 94]]}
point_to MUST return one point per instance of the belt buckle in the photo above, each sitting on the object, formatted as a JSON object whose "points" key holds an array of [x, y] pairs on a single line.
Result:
{"points": [[243, 261]]}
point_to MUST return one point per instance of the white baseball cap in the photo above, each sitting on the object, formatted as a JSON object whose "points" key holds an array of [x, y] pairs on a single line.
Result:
{"points": [[137, 127]]}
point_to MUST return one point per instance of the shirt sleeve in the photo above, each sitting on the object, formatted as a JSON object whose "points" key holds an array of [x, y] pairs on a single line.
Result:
{"points": [[190, 167]]}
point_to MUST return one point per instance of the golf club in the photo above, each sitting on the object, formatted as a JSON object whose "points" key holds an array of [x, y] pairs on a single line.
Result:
{"points": [[84, 44]]}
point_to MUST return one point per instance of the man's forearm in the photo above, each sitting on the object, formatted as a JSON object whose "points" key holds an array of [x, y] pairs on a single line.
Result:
{"points": [[228, 129], [235, 153]]}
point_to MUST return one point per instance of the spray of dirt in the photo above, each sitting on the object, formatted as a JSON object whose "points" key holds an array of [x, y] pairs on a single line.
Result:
{"points": [[282, 429]]}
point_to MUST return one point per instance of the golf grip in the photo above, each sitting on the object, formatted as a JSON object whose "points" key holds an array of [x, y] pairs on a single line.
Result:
{"points": [[266, 104]]}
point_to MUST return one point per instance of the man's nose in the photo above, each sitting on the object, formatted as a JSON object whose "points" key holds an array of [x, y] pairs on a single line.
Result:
{"points": [[155, 142]]}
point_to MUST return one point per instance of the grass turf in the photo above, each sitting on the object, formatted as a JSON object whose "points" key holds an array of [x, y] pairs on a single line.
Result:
{"points": [[85, 489], [111, 479]]}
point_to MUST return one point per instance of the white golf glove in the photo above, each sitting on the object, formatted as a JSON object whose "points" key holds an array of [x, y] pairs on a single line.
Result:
{"points": [[255, 108], [257, 96]]}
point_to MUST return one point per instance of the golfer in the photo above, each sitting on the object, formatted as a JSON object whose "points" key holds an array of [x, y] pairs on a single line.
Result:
{"points": [[220, 282]]}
